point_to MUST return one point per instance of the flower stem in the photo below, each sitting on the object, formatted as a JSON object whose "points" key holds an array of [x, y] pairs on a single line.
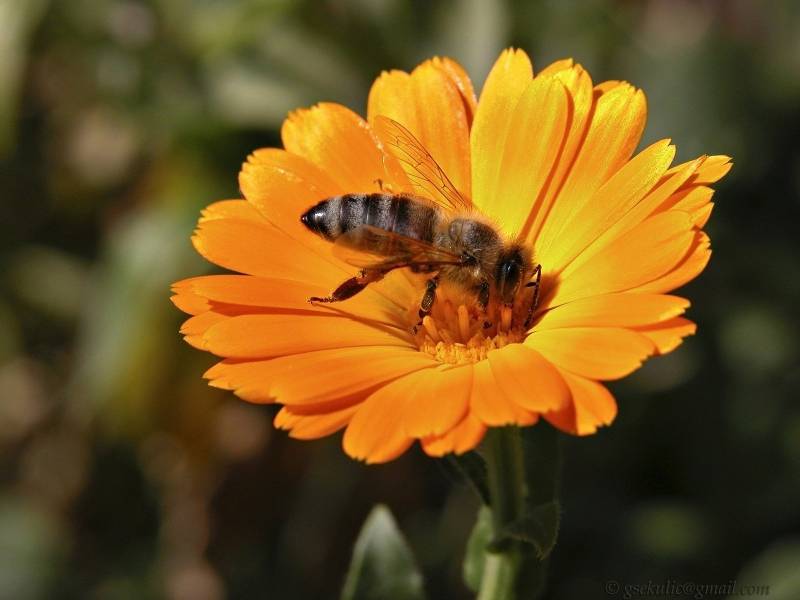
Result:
{"points": [[506, 468], [523, 469]]}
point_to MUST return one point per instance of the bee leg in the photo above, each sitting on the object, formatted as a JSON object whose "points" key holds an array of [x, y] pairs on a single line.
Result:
{"points": [[483, 301], [426, 304], [536, 284], [350, 288]]}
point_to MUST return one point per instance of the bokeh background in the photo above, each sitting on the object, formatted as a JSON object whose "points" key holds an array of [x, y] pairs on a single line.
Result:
{"points": [[122, 476]]}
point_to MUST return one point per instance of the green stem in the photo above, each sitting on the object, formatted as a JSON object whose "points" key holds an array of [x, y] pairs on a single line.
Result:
{"points": [[506, 471], [498, 578]]}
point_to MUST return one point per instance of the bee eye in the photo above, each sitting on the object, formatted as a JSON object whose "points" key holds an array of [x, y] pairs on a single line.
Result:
{"points": [[509, 271], [509, 275]]}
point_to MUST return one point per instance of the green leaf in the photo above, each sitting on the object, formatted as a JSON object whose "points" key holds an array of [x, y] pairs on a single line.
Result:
{"points": [[485, 572], [541, 514], [475, 557], [507, 553], [382, 565], [471, 467], [538, 527]]}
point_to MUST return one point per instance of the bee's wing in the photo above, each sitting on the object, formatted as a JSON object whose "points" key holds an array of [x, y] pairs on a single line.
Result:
{"points": [[372, 248], [423, 171]]}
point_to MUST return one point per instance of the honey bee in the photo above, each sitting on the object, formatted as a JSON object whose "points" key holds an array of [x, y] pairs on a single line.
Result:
{"points": [[442, 235]]}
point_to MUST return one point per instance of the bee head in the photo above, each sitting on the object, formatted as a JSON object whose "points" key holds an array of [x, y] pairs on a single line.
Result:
{"points": [[510, 270]]}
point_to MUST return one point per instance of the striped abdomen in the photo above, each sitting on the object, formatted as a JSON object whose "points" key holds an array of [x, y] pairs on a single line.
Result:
{"points": [[396, 213]]}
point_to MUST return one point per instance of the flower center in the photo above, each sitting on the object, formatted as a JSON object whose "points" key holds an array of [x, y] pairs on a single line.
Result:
{"points": [[459, 334]]}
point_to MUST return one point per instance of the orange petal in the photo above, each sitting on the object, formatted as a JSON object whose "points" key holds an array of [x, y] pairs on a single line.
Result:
{"points": [[528, 379], [188, 301], [265, 335], [280, 295], [230, 209], [282, 186], [613, 134], [613, 310], [246, 379], [205, 313], [462, 81], [702, 215], [194, 329], [692, 200], [563, 419], [657, 200], [507, 81], [375, 433], [439, 402], [713, 169], [234, 235], [595, 352], [606, 86], [249, 290], [318, 376], [339, 142], [592, 406], [345, 372], [663, 197], [581, 100], [691, 165], [535, 130], [311, 427], [462, 438], [668, 335], [490, 404], [695, 200], [693, 263], [256, 247], [591, 216], [556, 66], [644, 254], [429, 104]]}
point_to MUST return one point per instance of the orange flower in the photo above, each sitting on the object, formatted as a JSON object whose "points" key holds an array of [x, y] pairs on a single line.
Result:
{"points": [[549, 160]]}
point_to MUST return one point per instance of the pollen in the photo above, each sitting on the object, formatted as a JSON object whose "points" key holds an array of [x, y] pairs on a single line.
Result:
{"points": [[461, 335]]}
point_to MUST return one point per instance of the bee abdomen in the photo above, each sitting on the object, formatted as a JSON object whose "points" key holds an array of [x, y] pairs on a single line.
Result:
{"points": [[337, 215]]}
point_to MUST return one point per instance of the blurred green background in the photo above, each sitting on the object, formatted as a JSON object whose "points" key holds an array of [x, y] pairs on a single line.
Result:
{"points": [[125, 477]]}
